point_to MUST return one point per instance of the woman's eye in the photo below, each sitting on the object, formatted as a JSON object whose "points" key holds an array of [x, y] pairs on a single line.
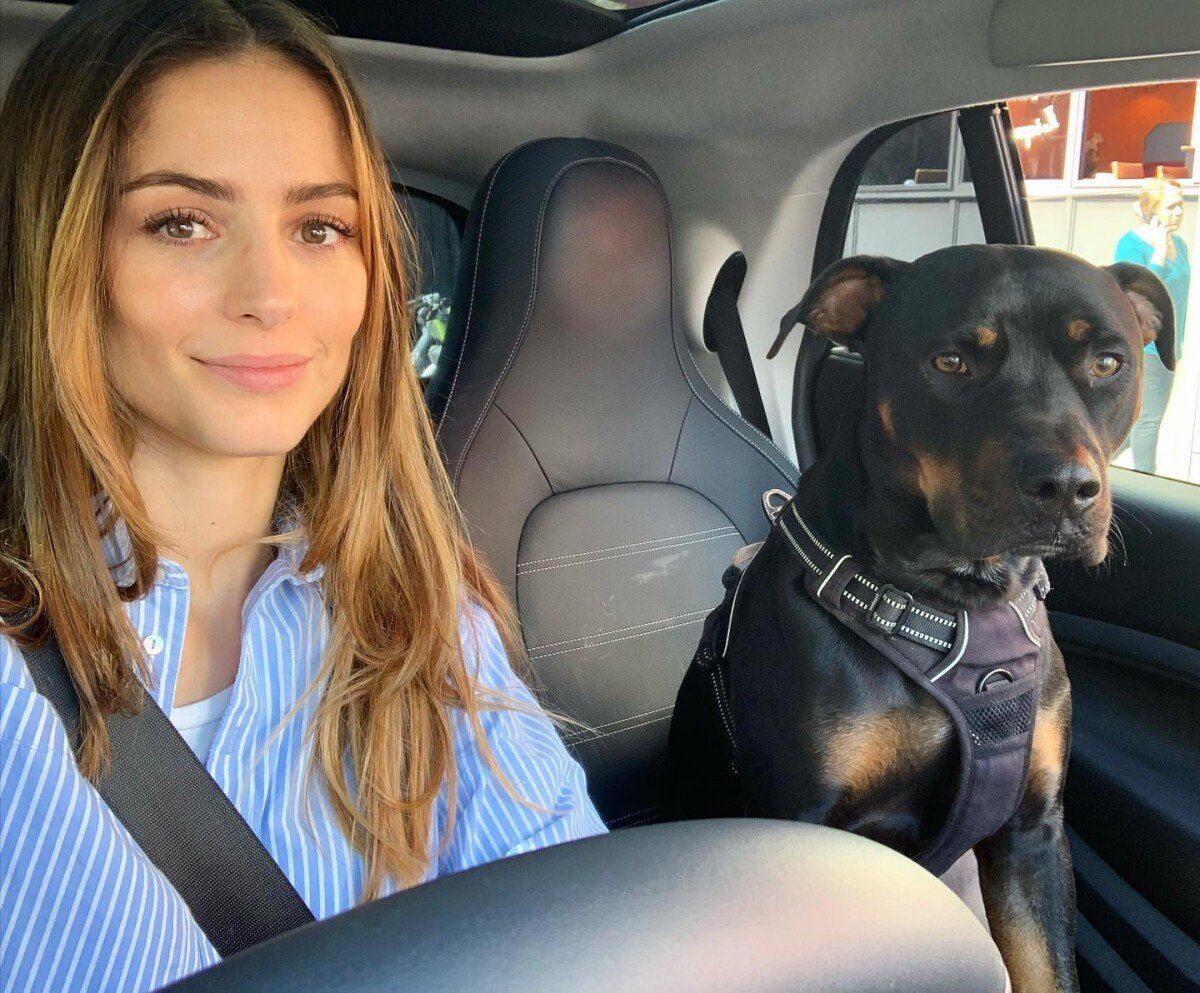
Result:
{"points": [[1106, 365], [179, 228], [950, 363], [317, 232]]}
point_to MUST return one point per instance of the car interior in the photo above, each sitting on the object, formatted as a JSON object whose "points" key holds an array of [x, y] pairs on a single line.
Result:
{"points": [[615, 203]]}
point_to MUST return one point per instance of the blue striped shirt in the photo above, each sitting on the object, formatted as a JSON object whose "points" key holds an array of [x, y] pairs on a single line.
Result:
{"points": [[82, 908]]}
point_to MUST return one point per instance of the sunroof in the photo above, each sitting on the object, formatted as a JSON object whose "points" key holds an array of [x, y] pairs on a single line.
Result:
{"points": [[637, 5], [495, 27]]}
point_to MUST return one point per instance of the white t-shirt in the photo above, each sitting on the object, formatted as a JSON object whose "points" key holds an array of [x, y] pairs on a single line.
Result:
{"points": [[197, 722]]}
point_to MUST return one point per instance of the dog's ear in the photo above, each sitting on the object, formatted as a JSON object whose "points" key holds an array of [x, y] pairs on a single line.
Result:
{"points": [[1151, 306], [841, 299]]}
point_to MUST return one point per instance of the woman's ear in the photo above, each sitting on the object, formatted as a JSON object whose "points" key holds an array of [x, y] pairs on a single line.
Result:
{"points": [[1151, 306], [841, 299]]}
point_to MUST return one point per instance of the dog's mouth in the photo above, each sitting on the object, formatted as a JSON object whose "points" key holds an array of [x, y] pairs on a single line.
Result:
{"points": [[1065, 540]]}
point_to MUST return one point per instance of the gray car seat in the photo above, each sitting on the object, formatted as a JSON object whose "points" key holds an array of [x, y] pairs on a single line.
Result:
{"points": [[601, 476]]}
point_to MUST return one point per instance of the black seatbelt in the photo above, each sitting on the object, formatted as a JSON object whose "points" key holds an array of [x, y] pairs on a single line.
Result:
{"points": [[723, 334], [182, 819]]}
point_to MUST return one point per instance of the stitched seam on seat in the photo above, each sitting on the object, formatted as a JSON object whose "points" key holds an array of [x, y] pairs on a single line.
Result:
{"points": [[576, 739], [644, 820], [623, 555], [474, 282], [537, 253], [631, 717], [613, 641], [634, 544], [638, 813], [632, 627]]}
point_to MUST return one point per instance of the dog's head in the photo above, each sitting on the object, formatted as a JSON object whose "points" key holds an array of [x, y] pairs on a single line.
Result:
{"points": [[1000, 381]]}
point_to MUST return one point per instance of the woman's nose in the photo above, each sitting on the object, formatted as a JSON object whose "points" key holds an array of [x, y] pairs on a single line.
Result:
{"points": [[262, 283]]}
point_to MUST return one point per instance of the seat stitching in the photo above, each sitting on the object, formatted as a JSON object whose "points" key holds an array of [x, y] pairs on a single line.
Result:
{"points": [[644, 820], [632, 627], [635, 544], [623, 555], [622, 720], [574, 739], [636, 813], [613, 641], [474, 282]]}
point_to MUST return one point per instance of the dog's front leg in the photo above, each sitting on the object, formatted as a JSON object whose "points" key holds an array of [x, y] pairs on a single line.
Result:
{"points": [[1025, 867]]}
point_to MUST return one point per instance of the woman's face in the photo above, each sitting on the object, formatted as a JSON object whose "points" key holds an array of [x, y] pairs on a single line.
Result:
{"points": [[1170, 213], [234, 245]]}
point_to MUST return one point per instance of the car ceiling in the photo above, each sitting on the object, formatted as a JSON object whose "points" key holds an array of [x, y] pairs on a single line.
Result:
{"points": [[744, 107]]}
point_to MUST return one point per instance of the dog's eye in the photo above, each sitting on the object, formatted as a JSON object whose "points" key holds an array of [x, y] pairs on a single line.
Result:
{"points": [[951, 363], [1106, 365]]}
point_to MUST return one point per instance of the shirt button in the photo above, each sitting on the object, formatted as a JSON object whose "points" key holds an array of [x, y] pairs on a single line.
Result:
{"points": [[153, 644]]}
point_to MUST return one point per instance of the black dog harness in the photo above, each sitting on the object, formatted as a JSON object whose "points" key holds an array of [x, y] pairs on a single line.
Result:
{"points": [[982, 666]]}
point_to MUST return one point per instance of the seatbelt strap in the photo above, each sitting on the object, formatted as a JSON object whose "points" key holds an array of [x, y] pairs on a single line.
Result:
{"points": [[724, 335], [181, 818]]}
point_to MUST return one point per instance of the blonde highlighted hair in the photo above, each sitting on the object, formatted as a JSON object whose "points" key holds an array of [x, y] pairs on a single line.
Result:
{"points": [[366, 484], [1152, 194]]}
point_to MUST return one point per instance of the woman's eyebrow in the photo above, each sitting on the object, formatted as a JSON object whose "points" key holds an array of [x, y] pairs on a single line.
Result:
{"points": [[296, 194]]}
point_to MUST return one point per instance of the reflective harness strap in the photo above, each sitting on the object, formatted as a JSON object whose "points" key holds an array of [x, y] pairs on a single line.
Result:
{"points": [[984, 669]]}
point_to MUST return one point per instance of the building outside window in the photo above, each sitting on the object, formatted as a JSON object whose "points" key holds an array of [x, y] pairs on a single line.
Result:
{"points": [[1097, 164]]}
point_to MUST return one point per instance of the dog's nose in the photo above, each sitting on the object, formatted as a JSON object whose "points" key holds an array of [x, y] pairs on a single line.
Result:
{"points": [[1055, 484]]}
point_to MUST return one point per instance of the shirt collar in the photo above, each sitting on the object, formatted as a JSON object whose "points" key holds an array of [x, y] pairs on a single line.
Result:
{"points": [[117, 549]]}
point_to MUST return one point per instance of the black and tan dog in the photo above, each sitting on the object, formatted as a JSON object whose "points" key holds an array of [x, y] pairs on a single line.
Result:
{"points": [[887, 668]]}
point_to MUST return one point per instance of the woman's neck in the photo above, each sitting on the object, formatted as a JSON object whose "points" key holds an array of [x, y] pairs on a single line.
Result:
{"points": [[206, 504]]}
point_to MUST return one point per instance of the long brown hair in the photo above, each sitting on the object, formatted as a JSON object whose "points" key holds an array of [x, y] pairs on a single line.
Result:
{"points": [[366, 485]]}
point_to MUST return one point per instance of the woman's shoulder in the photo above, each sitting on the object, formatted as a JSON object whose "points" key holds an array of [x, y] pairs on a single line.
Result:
{"points": [[483, 649], [1131, 247], [14, 670], [27, 718]]}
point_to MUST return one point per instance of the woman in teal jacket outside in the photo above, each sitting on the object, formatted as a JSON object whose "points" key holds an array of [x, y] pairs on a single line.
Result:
{"points": [[1154, 244]]}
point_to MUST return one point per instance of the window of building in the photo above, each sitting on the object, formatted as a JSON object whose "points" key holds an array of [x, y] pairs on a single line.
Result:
{"points": [[919, 155], [1138, 132], [1041, 129]]}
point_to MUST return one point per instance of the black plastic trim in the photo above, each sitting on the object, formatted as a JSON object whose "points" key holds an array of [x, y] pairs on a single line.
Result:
{"points": [[831, 242], [996, 174]]}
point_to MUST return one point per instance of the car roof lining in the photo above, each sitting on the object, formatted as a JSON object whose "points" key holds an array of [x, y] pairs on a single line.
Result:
{"points": [[745, 108]]}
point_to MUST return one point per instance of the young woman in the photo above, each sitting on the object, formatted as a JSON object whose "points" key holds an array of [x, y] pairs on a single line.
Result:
{"points": [[218, 480], [1154, 244]]}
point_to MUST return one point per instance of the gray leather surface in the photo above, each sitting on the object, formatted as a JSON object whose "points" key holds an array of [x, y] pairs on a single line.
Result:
{"points": [[575, 420], [615, 581], [701, 907]]}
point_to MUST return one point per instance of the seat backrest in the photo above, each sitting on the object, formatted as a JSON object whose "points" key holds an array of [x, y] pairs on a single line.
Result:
{"points": [[602, 477]]}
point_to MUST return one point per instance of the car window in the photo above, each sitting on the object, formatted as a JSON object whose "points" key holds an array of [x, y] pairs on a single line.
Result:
{"points": [[1111, 176], [1098, 165], [438, 227], [913, 197]]}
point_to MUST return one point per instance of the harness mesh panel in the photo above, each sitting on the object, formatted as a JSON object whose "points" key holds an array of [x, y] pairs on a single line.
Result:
{"points": [[1000, 721]]}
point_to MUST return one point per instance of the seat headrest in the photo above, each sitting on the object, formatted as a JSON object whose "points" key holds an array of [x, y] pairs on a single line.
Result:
{"points": [[563, 305]]}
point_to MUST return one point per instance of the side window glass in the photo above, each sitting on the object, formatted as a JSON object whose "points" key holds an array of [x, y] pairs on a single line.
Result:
{"points": [[914, 196], [1111, 176], [438, 227]]}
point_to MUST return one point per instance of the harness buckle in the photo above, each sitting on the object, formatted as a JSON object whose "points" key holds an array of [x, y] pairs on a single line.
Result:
{"points": [[773, 502], [888, 608]]}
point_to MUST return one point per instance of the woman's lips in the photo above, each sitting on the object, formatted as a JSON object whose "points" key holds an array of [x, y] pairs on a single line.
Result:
{"points": [[247, 374]]}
